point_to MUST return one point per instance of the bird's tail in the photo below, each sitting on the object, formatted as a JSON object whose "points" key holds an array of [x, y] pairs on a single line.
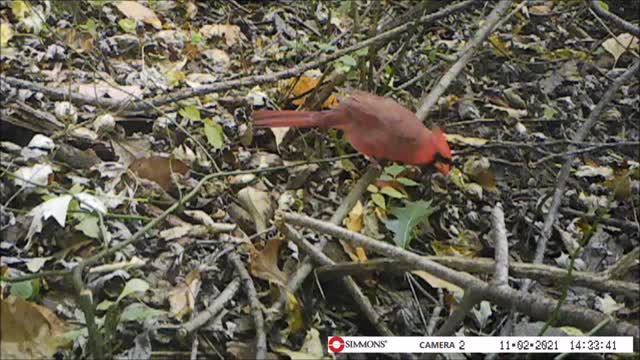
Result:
{"points": [[301, 119], [288, 118]]}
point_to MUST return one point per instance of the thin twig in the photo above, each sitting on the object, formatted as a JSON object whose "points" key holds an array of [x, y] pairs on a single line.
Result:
{"points": [[577, 152], [499, 232], [214, 308], [435, 314], [256, 306], [464, 57], [622, 224], [469, 300]]}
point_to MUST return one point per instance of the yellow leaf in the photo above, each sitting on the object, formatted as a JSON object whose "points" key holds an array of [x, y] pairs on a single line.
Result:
{"points": [[6, 33], [462, 140], [19, 9], [295, 318], [304, 85], [331, 102], [436, 282], [355, 220]]}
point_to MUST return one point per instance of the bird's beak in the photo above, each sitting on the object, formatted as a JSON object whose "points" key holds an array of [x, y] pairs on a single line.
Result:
{"points": [[442, 167]]}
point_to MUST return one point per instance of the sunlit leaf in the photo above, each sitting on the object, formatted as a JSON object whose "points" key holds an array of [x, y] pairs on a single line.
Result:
{"points": [[190, 112], [214, 133], [379, 200], [133, 286], [389, 191], [394, 170]]}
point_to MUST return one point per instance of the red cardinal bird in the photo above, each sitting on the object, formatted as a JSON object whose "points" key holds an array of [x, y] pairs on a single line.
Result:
{"points": [[375, 126]]}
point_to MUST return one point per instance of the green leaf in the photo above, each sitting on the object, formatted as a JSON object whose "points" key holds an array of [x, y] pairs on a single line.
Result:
{"points": [[362, 52], [133, 286], [190, 112], [389, 191], [385, 177], [104, 305], [214, 133], [406, 181], [128, 26], [348, 165], [90, 27], [603, 5], [348, 60], [196, 38], [89, 227], [394, 170], [139, 312], [379, 201], [372, 188], [407, 219], [23, 289]]}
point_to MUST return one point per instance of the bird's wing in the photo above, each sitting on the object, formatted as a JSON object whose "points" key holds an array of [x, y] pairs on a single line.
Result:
{"points": [[382, 117]]}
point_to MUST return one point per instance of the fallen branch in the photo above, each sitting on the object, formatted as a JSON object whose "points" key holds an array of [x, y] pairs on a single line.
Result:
{"points": [[614, 19], [539, 272], [537, 307]]}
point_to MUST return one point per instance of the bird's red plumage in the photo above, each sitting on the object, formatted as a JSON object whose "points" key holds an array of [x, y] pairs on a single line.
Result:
{"points": [[375, 126]]}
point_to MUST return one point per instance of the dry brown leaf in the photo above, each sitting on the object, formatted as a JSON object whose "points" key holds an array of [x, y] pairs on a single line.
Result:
{"points": [[264, 264], [230, 33], [436, 282], [620, 185], [136, 11], [182, 299], [620, 44], [102, 89], [257, 203], [159, 170], [29, 331]]}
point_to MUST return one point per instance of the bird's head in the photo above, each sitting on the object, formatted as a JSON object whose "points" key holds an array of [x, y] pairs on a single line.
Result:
{"points": [[443, 158]]}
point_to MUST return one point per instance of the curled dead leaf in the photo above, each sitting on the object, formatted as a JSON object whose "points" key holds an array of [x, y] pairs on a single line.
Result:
{"points": [[159, 169]]}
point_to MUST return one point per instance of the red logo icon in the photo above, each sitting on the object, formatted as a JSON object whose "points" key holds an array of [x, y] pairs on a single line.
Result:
{"points": [[336, 344]]}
